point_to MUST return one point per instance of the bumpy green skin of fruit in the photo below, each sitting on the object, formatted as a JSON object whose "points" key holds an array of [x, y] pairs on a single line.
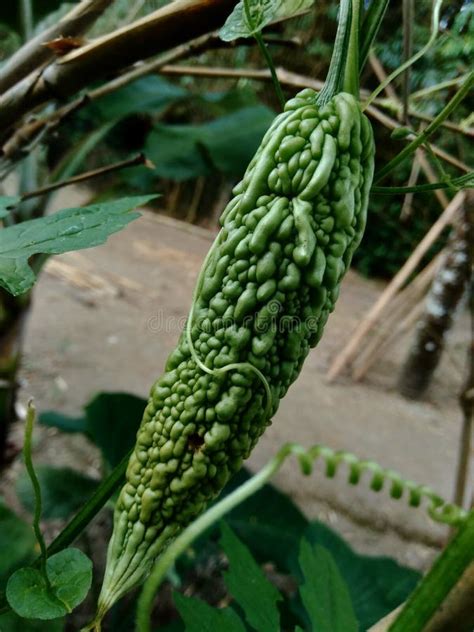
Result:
{"points": [[263, 297]]}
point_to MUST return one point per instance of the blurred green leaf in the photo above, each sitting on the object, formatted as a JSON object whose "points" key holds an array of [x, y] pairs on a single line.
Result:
{"points": [[323, 592], [6, 204], [64, 423], [147, 94], [226, 144], [247, 583], [66, 230], [63, 491], [70, 577], [17, 543], [11, 622], [198, 616], [112, 423], [377, 585]]}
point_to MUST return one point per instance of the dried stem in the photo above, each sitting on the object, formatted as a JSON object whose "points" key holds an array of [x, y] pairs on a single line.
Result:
{"points": [[161, 30], [34, 53], [140, 159]]}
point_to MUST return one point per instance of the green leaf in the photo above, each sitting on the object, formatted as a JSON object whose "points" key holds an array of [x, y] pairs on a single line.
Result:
{"points": [[225, 144], [16, 531], [247, 583], [147, 94], [66, 230], [6, 204], [64, 491], [269, 523], [64, 423], [324, 593], [112, 423], [11, 622], [377, 584], [262, 12], [198, 616], [70, 576]]}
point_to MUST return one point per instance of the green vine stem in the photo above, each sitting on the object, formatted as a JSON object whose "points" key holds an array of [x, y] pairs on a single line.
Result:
{"points": [[412, 60], [265, 52], [436, 585], [370, 27], [27, 448], [430, 129], [92, 507], [351, 72], [438, 509], [463, 182]]}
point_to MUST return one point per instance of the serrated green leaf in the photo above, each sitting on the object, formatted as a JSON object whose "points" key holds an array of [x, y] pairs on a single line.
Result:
{"points": [[324, 593], [262, 12], [6, 204], [377, 584], [64, 491], [247, 583], [66, 230], [198, 616], [70, 576]]}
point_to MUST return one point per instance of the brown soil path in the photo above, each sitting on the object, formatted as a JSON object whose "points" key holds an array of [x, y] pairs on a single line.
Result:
{"points": [[106, 318]]}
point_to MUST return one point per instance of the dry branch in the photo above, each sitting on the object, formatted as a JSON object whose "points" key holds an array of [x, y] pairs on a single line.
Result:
{"points": [[161, 30], [34, 53]]}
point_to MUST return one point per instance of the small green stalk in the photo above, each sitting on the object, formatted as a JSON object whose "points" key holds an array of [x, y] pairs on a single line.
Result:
{"points": [[351, 73], [336, 74], [265, 52], [436, 585], [30, 422]]}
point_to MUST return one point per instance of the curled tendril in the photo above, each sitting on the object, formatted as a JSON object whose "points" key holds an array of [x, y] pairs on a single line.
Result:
{"points": [[438, 509], [246, 366]]}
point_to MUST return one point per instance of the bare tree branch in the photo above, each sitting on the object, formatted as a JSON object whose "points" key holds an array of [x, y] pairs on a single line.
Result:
{"points": [[161, 30], [34, 53]]}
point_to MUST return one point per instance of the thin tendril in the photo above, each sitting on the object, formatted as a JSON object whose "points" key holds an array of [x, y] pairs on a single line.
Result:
{"points": [[438, 510], [30, 422], [412, 60]]}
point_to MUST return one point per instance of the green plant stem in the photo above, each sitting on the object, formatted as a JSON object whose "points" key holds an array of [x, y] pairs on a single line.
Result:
{"points": [[436, 585], [335, 78], [27, 20], [27, 447], [92, 507], [439, 510], [412, 60], [430, 129], [265, 52], [370, 26], [351, 72]]}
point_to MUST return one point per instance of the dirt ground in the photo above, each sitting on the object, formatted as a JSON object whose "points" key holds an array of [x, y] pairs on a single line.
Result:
{"points": [[105, 319]]}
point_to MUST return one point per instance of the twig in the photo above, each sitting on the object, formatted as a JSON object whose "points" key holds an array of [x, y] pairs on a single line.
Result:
{"points": [[140, 159], [34, 54], [161, 30]]}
